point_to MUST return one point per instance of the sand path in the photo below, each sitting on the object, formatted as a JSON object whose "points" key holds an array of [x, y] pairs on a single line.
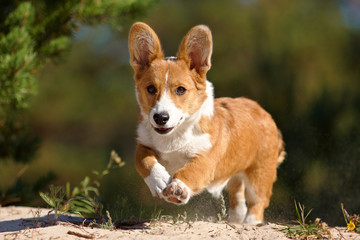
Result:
{"points": [[32, 223]]}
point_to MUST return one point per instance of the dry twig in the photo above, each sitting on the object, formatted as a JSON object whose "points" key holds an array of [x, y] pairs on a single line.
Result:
{"points": [[233, 227], [87, 236]]}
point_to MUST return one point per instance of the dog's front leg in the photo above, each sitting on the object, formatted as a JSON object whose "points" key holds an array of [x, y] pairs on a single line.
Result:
{"points": [[189, 180], [154, 174]]}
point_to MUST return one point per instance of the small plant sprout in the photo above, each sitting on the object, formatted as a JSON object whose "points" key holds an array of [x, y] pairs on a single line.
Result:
{"points": [[156, 214], [184, 217], [222, 216], [305, 230], [83, 198], [55, 199], [352, 221], [109, 223], [36, 215], [196, 218]]}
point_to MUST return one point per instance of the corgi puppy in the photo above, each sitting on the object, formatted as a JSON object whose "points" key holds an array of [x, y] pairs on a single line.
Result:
{"points": [[188, 141]]}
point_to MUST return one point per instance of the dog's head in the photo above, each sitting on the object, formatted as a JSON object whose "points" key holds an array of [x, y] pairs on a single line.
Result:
{"points": [[169, 90]]}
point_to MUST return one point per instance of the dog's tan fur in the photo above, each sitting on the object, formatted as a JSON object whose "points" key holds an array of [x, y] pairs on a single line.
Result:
{"points": [[246, 146]]}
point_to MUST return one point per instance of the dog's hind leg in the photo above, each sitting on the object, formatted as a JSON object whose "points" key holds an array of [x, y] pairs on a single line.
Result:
{"points": [[258, 190], [236, 189]]}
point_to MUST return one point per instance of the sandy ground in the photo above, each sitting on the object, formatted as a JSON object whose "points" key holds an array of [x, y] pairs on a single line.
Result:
{"points": [[32, 223]]}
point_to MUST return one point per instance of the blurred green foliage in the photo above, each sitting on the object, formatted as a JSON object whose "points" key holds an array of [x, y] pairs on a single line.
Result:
{"points": [[34, 33], [31, 34], [298, 59]]}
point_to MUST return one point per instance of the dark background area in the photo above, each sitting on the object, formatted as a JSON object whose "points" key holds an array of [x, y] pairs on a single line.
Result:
{"points": [[299, 59]]}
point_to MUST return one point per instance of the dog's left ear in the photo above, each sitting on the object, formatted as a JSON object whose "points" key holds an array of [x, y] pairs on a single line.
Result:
{"points": [[196, 49]]}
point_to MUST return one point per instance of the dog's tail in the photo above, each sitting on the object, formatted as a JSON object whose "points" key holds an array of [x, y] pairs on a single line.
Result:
{"points": [[281, 146]]}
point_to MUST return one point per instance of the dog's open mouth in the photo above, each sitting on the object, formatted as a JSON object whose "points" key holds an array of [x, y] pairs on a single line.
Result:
{"points": [[163, 130]]}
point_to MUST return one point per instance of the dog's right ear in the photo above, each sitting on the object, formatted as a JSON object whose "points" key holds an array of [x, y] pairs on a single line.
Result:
{"points": [[144, 47]]}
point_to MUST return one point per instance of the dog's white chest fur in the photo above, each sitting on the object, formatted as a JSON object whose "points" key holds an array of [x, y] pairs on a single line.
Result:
{"points": [[174, 151], [193, 144]]}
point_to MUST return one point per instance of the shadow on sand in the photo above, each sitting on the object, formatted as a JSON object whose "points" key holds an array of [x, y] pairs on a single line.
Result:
{"points": [[35, 222], [49, 220]]}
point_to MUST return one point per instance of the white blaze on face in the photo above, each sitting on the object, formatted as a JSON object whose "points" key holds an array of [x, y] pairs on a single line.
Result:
{"points": [[166, 78], [166, 105]]}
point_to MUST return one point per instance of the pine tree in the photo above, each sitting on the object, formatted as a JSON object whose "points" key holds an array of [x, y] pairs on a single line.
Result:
{"points": [[32, 33]]}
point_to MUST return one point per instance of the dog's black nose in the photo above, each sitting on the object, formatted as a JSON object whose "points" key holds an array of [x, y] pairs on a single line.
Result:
{"points": [[161, 118]]}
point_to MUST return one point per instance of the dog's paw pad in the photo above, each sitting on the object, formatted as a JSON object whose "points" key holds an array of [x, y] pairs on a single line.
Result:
{"points": [[176, 192]]}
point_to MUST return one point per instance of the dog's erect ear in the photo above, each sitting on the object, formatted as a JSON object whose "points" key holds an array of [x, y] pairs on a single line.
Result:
{"points": [[196, 48], [144, 46]]}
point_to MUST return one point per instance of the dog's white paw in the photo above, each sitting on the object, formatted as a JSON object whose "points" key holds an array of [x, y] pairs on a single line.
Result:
{"points": [[177, 192], [158, 179], [251, 220]]}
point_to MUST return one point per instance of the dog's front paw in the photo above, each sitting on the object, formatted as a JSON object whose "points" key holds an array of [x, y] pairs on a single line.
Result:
{"points": [[158, 179], [177, 192]]}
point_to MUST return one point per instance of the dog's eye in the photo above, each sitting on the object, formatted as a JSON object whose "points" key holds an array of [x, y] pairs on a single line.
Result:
{"points": [[180, 90], [151, 89]]}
